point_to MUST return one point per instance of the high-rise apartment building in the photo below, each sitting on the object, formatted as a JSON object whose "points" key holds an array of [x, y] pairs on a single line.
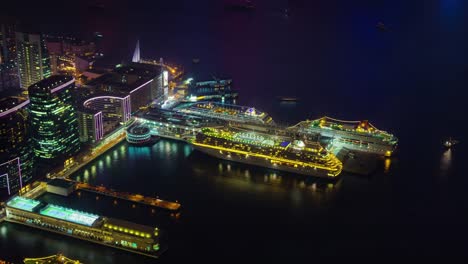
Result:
{"points": [[16, 156], [32, 59]]}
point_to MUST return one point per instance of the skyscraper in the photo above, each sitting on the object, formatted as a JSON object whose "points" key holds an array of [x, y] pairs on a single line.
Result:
{"points": [[7, 42], [16, 156], [54, 123], [32, 58], [8, 70]]}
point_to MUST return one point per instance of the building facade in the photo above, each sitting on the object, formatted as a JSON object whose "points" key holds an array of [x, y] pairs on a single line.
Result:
{"points": [[16, 156], [8, 69], [70, 56], [32, 59], [54, 123], [7, 42], [90, 125]]}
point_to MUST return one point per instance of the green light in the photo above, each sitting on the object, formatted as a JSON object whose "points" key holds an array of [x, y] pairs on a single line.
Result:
{"points": [[22, 203]]}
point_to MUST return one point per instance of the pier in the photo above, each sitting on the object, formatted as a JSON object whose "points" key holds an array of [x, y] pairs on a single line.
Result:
{"points": [[137, 198]]}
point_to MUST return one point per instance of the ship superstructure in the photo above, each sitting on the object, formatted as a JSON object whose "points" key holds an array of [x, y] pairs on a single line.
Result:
{"points": [[354, 135], [268, 150], [227, 112]]}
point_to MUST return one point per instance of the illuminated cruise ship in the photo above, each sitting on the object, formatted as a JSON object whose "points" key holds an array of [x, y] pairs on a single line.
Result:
{"points": [[227, 112], [354, 135], [267, 150]]}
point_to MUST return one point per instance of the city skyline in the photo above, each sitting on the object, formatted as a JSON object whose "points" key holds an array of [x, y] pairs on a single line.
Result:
{"points": [[249, 130]]}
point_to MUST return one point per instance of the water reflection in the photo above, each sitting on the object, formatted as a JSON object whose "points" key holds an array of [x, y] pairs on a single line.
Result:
{"points": [[108, 161], [86, 175], [387, 164], [446, 161], [138, 152], [249, 178]]}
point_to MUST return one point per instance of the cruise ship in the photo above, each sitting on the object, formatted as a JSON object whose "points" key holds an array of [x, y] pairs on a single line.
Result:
{"points": [[353, 135], [226, 112], [266, 150]]}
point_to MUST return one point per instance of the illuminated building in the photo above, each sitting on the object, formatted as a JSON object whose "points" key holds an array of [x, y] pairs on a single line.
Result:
{"points": [[16, 156], [268, 150], [82, 225], [8, 69], [8, 76], [7, 42], [32, 59], [70, 56], [227, 112], [90, 125], [139, 81], [354, 135], [108, 113], [54, 123], [218, 89]]}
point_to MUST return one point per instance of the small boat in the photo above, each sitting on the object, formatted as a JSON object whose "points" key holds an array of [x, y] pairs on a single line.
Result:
{"points": [[196, 60], [382, 27], [287, 99], [450, 143]]}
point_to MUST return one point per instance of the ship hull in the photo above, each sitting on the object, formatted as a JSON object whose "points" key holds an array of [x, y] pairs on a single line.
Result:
{"points": [[266, 163]]}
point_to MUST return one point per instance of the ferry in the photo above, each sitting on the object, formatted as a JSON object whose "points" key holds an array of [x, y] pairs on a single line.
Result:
{"points": [[450, 143], [267, 150], [287, 99], [353, 135]]}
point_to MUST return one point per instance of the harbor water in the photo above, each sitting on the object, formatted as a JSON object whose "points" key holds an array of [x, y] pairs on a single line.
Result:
{"points": [[407, 80]]}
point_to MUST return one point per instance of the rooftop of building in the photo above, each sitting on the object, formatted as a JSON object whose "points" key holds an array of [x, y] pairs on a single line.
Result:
{"points": [[52, 82], [127, 77], [60, 183], [22, 203], [70, 215], [97, 71], [11, 103], [141, 69]]}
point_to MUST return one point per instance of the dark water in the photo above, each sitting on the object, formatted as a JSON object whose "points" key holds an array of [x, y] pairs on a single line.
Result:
{"points": [[410, 80]]}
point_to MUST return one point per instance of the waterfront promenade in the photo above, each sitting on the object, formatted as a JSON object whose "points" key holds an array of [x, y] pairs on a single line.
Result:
{"points": [[83, 158]]}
